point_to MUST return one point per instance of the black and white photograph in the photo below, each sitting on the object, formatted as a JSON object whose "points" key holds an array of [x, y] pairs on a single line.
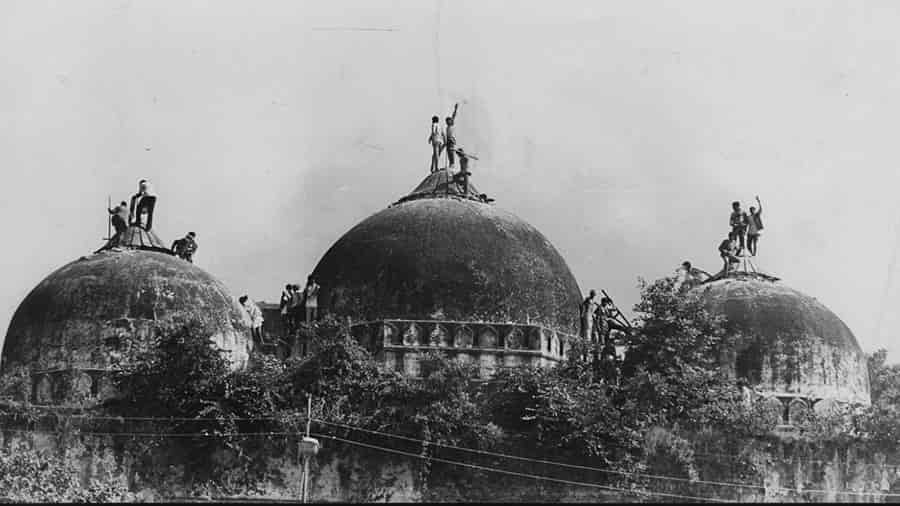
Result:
{"points": [[435, 251]]}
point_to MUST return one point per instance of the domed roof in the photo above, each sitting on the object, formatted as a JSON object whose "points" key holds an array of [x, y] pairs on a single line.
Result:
{"points": [[793, 344], [86, 312], [447, 256]]}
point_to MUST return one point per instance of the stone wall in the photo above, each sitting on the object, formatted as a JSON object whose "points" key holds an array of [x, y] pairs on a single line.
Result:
{"points": [[788, 473]]}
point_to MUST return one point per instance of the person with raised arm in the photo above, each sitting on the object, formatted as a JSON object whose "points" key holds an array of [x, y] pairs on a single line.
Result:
{"points": [[450, 138], [754, 227]]}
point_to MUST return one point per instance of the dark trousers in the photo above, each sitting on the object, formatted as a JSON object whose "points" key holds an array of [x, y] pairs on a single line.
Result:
{"points": [[311, 314], [740, 232], [729, 261], [119, 224], [256, 333]]}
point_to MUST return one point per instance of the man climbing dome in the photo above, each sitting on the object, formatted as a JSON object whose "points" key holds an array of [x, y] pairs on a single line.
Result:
{"points": [[728, 251], [185, 247], [687, 276], [142, 202], [608, 320], [119, 217], [738, 222], [256, 318], [450, 138], [754, 227], [463, 169], [311, 294], [589, 309], [435, 138]]}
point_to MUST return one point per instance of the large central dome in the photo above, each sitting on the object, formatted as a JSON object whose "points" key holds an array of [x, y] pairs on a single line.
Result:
{"points": [[444, 253]]}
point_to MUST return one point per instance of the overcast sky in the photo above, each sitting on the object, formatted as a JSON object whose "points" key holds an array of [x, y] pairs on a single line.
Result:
{"points": [[622, 130]]}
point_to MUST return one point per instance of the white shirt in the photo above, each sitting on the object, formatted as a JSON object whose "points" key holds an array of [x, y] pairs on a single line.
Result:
{"points": [[256, 317], [437, 136]]}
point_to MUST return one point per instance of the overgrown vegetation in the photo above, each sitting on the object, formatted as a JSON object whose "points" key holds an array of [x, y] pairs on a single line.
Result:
{"points": [[29, 475], [670, 404]]}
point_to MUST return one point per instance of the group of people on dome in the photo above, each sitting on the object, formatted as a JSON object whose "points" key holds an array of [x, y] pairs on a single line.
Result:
{"points": [[444, 140], [140, 214], [745, 231], [744, 234]]}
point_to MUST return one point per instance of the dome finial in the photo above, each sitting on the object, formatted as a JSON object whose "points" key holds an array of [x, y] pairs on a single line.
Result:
{"points": [[134, 223]]}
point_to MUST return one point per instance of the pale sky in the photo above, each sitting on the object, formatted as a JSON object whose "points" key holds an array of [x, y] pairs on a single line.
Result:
{"points": [[621, 130]]}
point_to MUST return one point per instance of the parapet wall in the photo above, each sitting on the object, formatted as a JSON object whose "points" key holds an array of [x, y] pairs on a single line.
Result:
{"points": [[400, 343]]}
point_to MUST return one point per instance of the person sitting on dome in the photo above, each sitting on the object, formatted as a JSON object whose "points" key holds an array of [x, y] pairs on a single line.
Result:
{"points": [[142, 202], [119, 217], [185, 247], [256, 318], [728, 251], [435, 138]]}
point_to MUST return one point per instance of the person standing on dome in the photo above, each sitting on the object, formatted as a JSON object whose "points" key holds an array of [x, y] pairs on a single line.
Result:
{"points": [[738, 222], [141, 202], [450, 139], [119, 217], [256, 318], [435, 138], [311, 294], [754, 227]]}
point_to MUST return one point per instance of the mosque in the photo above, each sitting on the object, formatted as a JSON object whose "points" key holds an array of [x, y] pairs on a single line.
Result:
{"points": [[442, 268]]}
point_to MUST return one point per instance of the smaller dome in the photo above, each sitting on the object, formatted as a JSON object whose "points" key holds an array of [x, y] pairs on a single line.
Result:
{"points": [[792, 344], [76, 321]]}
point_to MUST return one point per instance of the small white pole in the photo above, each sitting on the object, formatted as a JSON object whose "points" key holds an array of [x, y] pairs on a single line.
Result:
{"points": [[304, 489]]}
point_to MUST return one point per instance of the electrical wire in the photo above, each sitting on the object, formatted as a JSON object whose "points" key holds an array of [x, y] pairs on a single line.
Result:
{"points": [[521, 475], [540, 461]]}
